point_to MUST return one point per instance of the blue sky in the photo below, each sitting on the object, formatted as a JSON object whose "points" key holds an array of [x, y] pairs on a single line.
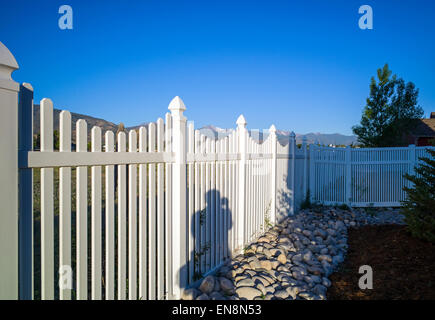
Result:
{"points": [[302, 65]]}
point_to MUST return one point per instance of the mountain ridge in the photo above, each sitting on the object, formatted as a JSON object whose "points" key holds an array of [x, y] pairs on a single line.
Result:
{"points": [[208, 130]]}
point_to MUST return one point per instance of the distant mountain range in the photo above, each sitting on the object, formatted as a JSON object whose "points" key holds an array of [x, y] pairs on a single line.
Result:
{"points": [[210, 131], [284, 136]]}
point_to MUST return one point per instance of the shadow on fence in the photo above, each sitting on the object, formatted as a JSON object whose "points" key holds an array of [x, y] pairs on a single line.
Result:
{"points": [[211, 233]]}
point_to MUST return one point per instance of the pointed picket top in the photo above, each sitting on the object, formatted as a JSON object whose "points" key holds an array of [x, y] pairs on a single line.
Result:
{"points": [[7, 62], [27, 86], [241, 121], [177, 104], [304, 139], [272, 129], [292, 135]]}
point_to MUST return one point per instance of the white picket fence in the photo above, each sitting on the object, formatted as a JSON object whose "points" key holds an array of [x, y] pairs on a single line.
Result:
{"points": [[145, 214], [175, 212], [140, 215]]}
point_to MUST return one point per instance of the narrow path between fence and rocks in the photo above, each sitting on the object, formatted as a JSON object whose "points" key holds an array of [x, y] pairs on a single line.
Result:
{"points": [[291, 261]]}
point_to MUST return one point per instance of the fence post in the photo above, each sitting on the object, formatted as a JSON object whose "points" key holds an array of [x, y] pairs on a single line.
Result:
{"points": [[179, 192], [9, 176], [272, 131], [292, 171], [305, 176], [312, 170], [411, 157], [348, 194], [243, 135], [25, 222]]}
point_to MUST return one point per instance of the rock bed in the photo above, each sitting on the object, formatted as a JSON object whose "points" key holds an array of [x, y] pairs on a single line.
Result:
{"points": [[292, 260]]}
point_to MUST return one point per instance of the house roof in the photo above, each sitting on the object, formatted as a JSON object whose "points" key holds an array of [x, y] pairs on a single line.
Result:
{"points": [[425, 128]]}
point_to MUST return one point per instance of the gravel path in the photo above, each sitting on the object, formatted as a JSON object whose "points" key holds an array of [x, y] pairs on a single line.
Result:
{"points": [[292, 260]]}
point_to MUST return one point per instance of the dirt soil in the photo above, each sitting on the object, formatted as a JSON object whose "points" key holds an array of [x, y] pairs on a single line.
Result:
{"points": [[403, 266]]}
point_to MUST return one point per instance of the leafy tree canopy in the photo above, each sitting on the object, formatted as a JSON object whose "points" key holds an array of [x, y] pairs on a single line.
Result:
{"points": [[390, 112]]}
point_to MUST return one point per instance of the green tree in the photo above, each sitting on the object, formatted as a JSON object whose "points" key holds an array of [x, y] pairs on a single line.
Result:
{"points": [[390, 112], [419, 206]]}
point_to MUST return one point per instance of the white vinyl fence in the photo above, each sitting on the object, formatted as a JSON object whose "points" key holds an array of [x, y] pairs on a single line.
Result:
{"points": [[362, 176], [144, 214], [136, 215]]}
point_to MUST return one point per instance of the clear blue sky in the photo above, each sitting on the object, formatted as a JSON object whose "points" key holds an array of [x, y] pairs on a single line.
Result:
{"points": [[302, 65]]}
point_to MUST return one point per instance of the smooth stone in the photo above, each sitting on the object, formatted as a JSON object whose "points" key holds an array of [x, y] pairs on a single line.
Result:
{"points": [[207, 285], [293, 291], [283, 294], [227, 286], [259, 279], [203, 296], [189, 294], [255, 264], [308, 296], [269, 296], [324, 257], [307, 256], [217, 296], [326, 282], [282, 258], [248, 292], [319, 290], [265, 264], [245, 283]]}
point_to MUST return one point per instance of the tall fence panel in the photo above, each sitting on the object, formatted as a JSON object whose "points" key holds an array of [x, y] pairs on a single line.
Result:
{"points": [[362, 176]]}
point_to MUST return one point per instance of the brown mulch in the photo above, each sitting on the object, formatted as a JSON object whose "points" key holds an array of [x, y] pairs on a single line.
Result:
{"points": [[403, 266]]}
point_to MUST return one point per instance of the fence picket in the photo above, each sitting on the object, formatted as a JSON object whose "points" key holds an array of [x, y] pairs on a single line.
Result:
{"points": [[168, 209], [143, 219], [132, 219], [191, 201], [217, 205], [207, 206], [122, 222], [160, 214], [203, 212], [212, 206], [65, 200], [110, 221], [152, 236], [82, 215], [47, 210], [96, 218], [197, 261]]}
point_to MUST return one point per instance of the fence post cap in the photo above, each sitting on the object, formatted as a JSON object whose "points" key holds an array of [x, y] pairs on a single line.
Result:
{"points": [[241, 121], [292, 135], [272, 129], [27, 85], [8, 64], [177, 104]]}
